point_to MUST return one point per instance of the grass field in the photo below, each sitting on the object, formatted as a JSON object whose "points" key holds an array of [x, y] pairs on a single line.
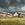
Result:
{"points": [[12, 21]]}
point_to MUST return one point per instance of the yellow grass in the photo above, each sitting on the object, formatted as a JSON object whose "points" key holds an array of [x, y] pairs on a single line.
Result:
{"points": [[12, 21]]}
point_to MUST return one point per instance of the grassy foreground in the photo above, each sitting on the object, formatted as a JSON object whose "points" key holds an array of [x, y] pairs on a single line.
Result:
{"points": [[12, 21]]}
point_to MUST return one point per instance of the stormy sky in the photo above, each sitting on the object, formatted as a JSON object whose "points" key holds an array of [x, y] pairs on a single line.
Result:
{"points": [[12, 5]]}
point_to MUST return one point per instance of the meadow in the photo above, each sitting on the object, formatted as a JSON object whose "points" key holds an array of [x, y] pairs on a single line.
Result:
{"points": [[12, 21]]}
